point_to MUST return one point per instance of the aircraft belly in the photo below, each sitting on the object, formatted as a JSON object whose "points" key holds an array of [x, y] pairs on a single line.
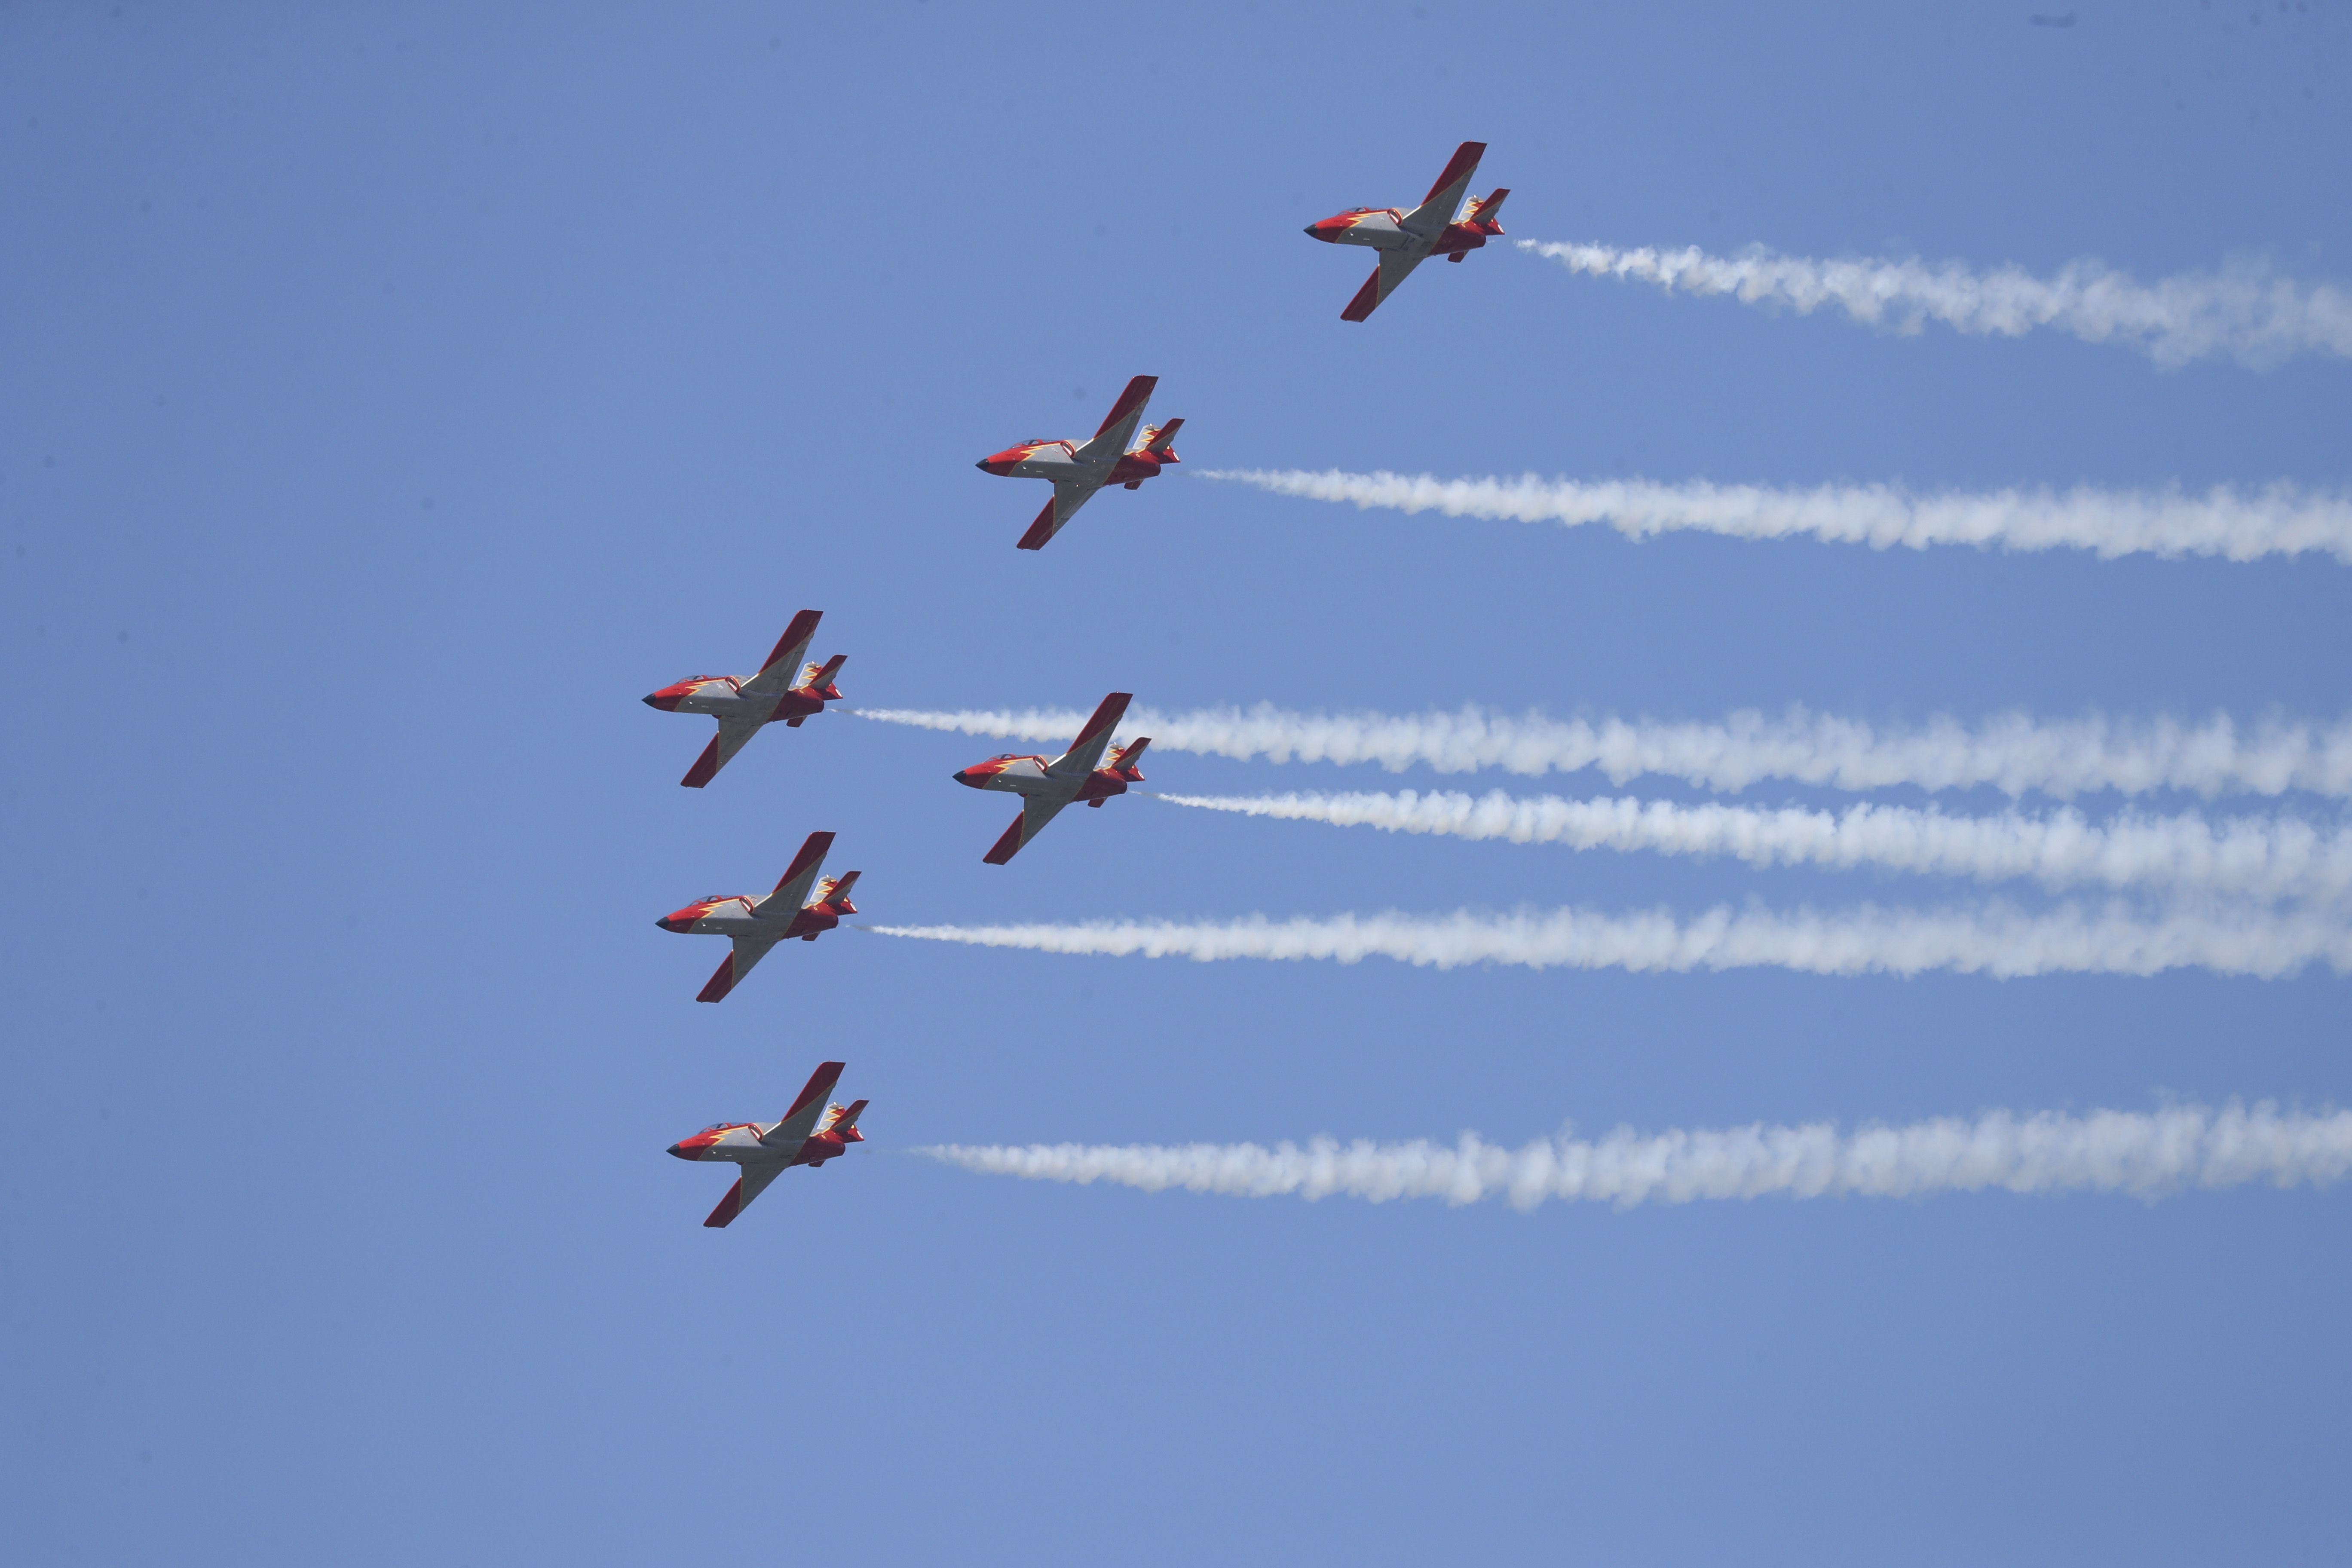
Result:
{"points": [[1034, 786]]}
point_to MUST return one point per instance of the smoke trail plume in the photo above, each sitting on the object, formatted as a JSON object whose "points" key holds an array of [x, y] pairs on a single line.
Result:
{"points": [[2280, 519], [2262, 858], [2243, 311], [2013, 752], [1995, 939], [2105, 1152]]}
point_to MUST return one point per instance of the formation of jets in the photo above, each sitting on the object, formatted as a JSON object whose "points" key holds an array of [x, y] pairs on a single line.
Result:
{"points": [[789, 690]]}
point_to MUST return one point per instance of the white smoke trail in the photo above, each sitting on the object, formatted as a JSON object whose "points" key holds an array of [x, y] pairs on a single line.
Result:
{"points": [[2271, 858], [2013, 752], [2279, 519], [2243, 311], [2105, 1152], [1995, 939]]}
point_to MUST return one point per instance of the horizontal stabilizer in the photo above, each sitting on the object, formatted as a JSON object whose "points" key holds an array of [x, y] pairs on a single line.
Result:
{"points": [[1483, 208], [838, 894], [1157, 440], [1123, 761], [820, 678], [846, 1123], [706, 766]]}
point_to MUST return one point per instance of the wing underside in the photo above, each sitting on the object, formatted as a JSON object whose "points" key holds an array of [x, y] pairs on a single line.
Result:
{"points": [[749, 1185], [748, 950], [733, 733], [1068, 496], [1035, 812], [1395, 267]]}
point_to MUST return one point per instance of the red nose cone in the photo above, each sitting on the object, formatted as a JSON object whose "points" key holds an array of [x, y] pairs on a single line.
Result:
{"points": [[683, 1153], [1001, 462], [1328, 230], [963, 776], [681, 920]]}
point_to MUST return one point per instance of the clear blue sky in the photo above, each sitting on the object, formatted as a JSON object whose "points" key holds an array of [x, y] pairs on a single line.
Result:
{"points": [[392, 395]]}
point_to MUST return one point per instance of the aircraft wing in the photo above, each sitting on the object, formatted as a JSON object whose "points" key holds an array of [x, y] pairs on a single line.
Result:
{"points": [[1395, 267], [1068, 496], [1119, 426], [1444, 198], [749, 1185], [1035, 812], [733, 733], [775, 676], [1086, 751], [787, 1135], [749, 951], [791, 887]]}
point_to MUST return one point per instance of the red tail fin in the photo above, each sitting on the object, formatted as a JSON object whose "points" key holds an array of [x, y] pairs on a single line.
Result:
{"points": [[821, 680], [706, 766], [846, 1123]]}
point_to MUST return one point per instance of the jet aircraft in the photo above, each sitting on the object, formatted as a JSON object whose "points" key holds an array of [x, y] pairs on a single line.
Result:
{"points": [[1046, 785], [1406, 240], [1078, 470], [812, 1132], [741, 706], [757, 924]]}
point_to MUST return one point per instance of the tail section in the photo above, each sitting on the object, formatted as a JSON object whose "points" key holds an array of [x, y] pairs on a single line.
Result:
{"points": [[818, 677], [835, 891], [846, 1122], [1481, 209], [1156, 440], [1123, 761]]}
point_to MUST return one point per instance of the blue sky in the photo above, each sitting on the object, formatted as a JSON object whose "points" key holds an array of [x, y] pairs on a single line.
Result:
{"points": [[391, 399]]}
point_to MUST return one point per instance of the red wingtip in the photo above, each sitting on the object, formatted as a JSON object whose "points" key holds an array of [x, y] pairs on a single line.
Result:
{"points": [[820, 1084], [706, 766], [1461, 166], [722, 981], [812, 849], [1039, 532], [1366, 298], [1108, 713], [1138, 393], [1006, 846], [729, 1207], [803, 627]]}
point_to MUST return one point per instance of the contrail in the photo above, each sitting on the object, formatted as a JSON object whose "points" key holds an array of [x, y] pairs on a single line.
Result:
{"points": [[1996, 940], [2243, 311], [2146, 1155], [2278, 520], [2013, 752], [2259, 857]]}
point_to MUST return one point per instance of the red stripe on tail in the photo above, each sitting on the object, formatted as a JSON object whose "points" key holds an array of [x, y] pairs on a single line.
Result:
{"points": [[706, 766]]}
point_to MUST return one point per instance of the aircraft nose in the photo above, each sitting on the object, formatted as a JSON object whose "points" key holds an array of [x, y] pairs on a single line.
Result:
{"points": [[681, 1150], [963, 776], [654, 701], [671, 922]]}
